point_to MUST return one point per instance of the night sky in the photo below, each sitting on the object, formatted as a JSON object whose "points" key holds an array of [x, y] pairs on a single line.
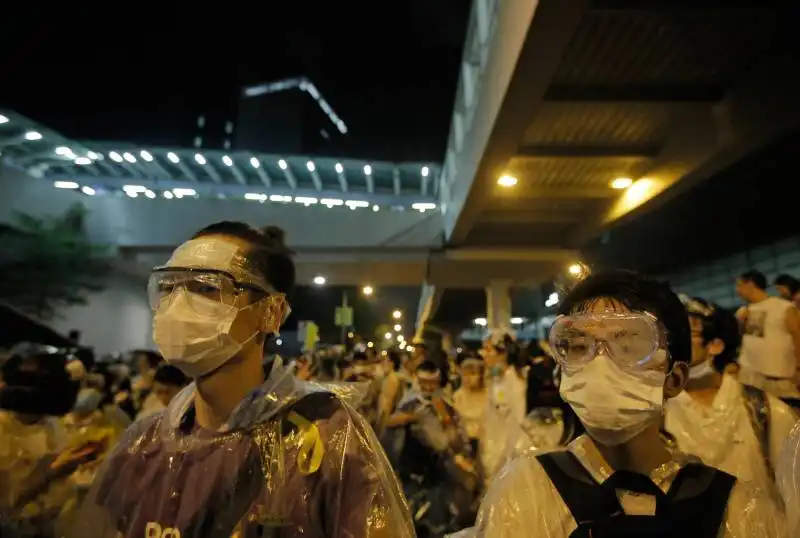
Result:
{"points": [[144, 71]]}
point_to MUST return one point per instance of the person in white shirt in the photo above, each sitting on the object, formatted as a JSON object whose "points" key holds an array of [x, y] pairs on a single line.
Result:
{"points": [[738, 429], [770, 355], [470, 398], [624, 345]]}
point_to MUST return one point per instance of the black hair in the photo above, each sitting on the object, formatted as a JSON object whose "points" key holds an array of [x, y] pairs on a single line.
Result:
{"points": [[789, 281], [396, 359], [167, 374], [756, 277], [719, 323], [269, 255], [428, 366], [37, 381], [468, 354], [637, 293], [154, 359]]}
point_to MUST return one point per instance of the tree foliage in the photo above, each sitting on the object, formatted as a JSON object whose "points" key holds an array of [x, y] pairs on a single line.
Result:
{"points": [[47, 263]]}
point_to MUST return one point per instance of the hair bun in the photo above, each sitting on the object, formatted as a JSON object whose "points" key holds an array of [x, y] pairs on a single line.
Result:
{"points": [[274, 238]]}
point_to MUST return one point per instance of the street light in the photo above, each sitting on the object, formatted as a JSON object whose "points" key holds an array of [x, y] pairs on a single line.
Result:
{"points": [[517, 321], [575, 269], [350, 335], [319, 280], [388, 336], [367, 290], [401, 338], [480, 322], [397, 314], [398, 327]]}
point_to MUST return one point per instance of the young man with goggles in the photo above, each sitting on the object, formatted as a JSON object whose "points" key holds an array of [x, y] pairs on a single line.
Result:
{"points": [[736, 428], [624, 344], [245, 450]]}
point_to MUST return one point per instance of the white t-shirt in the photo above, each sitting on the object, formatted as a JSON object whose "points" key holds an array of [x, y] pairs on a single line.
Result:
{"points": [[722, 434], [767, 346]]}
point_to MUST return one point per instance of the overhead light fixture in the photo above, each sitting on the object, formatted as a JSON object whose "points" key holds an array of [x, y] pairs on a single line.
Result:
{"points": [[367, 170], [129, 157], [422, 207], [168, 195], [552, 300], [388, 336], [173, 158], [398, 327], [621, 183], [144, 154], [116, 157], [181, 192], [33, 135], [339, 168], [199, 158], [150, 194], [425, 171], [507, 181], [284, 198], [376, 208], [227, 161], [65, 185], [82, 161], [575, 269], [367, 290], [255, 163], [330, 202], [397, 314], [258, 197], [480, 322], [94, 156], [517, 321], [282, 164], [3, 119], [88, 191], [320, 280], [311, 166], [305, 200], [63, 151]]}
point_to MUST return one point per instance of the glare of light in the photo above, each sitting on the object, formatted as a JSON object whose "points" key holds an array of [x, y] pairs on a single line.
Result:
{"points": [[621, 183], [397, 314], [370, 344], [311, 166], [350, 335], [320, 280], [367, 290], [255, 163], [305, 200], [480, 322], [65, 185], [552, 300], [227, 161], [168, 195], [575, 269], [398, 328], [352, 204], [64, 151], [279, 342], [116, 157], [256, 196], [144, 154], [87, 190], [638, 192], [283, 164], [134, 188], [330, 202], [173, 158], [388, 336], [83, 161], [367, 170], [401, 338], [94, 156], [280, 198], [129, 157], [150, 194], [339, 168], [517, 321], [181, 191], [132, 194], [425, 171], [199, 158], [3, 119], [376, 208], [33, 135], [422, 207], [507, 181], [402, 346]]}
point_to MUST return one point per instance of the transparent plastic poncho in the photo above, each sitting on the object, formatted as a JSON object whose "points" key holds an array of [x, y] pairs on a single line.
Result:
{"points": [[294, 460], [788, 477], [505, 412], [522, 502]]}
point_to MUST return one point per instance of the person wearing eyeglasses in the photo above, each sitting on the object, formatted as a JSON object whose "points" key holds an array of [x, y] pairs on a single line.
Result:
{"points": [[243, 450], [624, 344]]}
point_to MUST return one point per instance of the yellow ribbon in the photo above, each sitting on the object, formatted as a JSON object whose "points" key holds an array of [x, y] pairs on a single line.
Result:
{"points": [[309, 444]]}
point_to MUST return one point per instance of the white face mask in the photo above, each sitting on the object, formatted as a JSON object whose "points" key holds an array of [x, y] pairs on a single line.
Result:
{"points": [[699, 371], [614, 406], [196, 343]]}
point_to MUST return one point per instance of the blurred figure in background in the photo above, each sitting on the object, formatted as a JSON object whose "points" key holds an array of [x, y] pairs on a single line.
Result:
{"points": [[788, 288], [168, 381], [470, 400], [146, 363]]}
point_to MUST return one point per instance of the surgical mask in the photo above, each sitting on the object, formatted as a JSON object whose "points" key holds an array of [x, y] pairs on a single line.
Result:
{"points": [[702, 370], [196, 343], [614, 405], [88, 400]]}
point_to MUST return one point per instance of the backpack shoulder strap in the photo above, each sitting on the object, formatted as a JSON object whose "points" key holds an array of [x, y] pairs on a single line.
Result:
{"points": [[698, 499], [758, 411], [586, 499]]}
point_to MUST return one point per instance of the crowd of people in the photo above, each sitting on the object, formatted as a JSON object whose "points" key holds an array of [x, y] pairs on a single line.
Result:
{"points": [[644, 413]]}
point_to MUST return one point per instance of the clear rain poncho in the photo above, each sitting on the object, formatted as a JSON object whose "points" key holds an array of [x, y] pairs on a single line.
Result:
{"points": [[788, 477], [294, 460], [505, 412], [522, 502], [724, 435]]}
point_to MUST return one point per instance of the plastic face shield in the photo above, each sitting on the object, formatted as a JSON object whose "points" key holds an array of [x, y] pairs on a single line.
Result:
{"points": [[631, 340]]}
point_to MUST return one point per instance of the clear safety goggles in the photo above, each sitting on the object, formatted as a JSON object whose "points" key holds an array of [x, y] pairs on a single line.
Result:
{"points": [[199, 285], [631, 340]]}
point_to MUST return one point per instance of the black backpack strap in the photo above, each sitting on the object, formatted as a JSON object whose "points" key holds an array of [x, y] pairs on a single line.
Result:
{"points": [[587, 500], [699, 498], [758, 411]]}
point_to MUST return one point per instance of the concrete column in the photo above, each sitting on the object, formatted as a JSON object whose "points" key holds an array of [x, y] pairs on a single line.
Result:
{"points": [[498, 307]]}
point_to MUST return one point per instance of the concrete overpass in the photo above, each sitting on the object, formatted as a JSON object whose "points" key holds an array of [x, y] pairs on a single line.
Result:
{"points": [[567, 96]]}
